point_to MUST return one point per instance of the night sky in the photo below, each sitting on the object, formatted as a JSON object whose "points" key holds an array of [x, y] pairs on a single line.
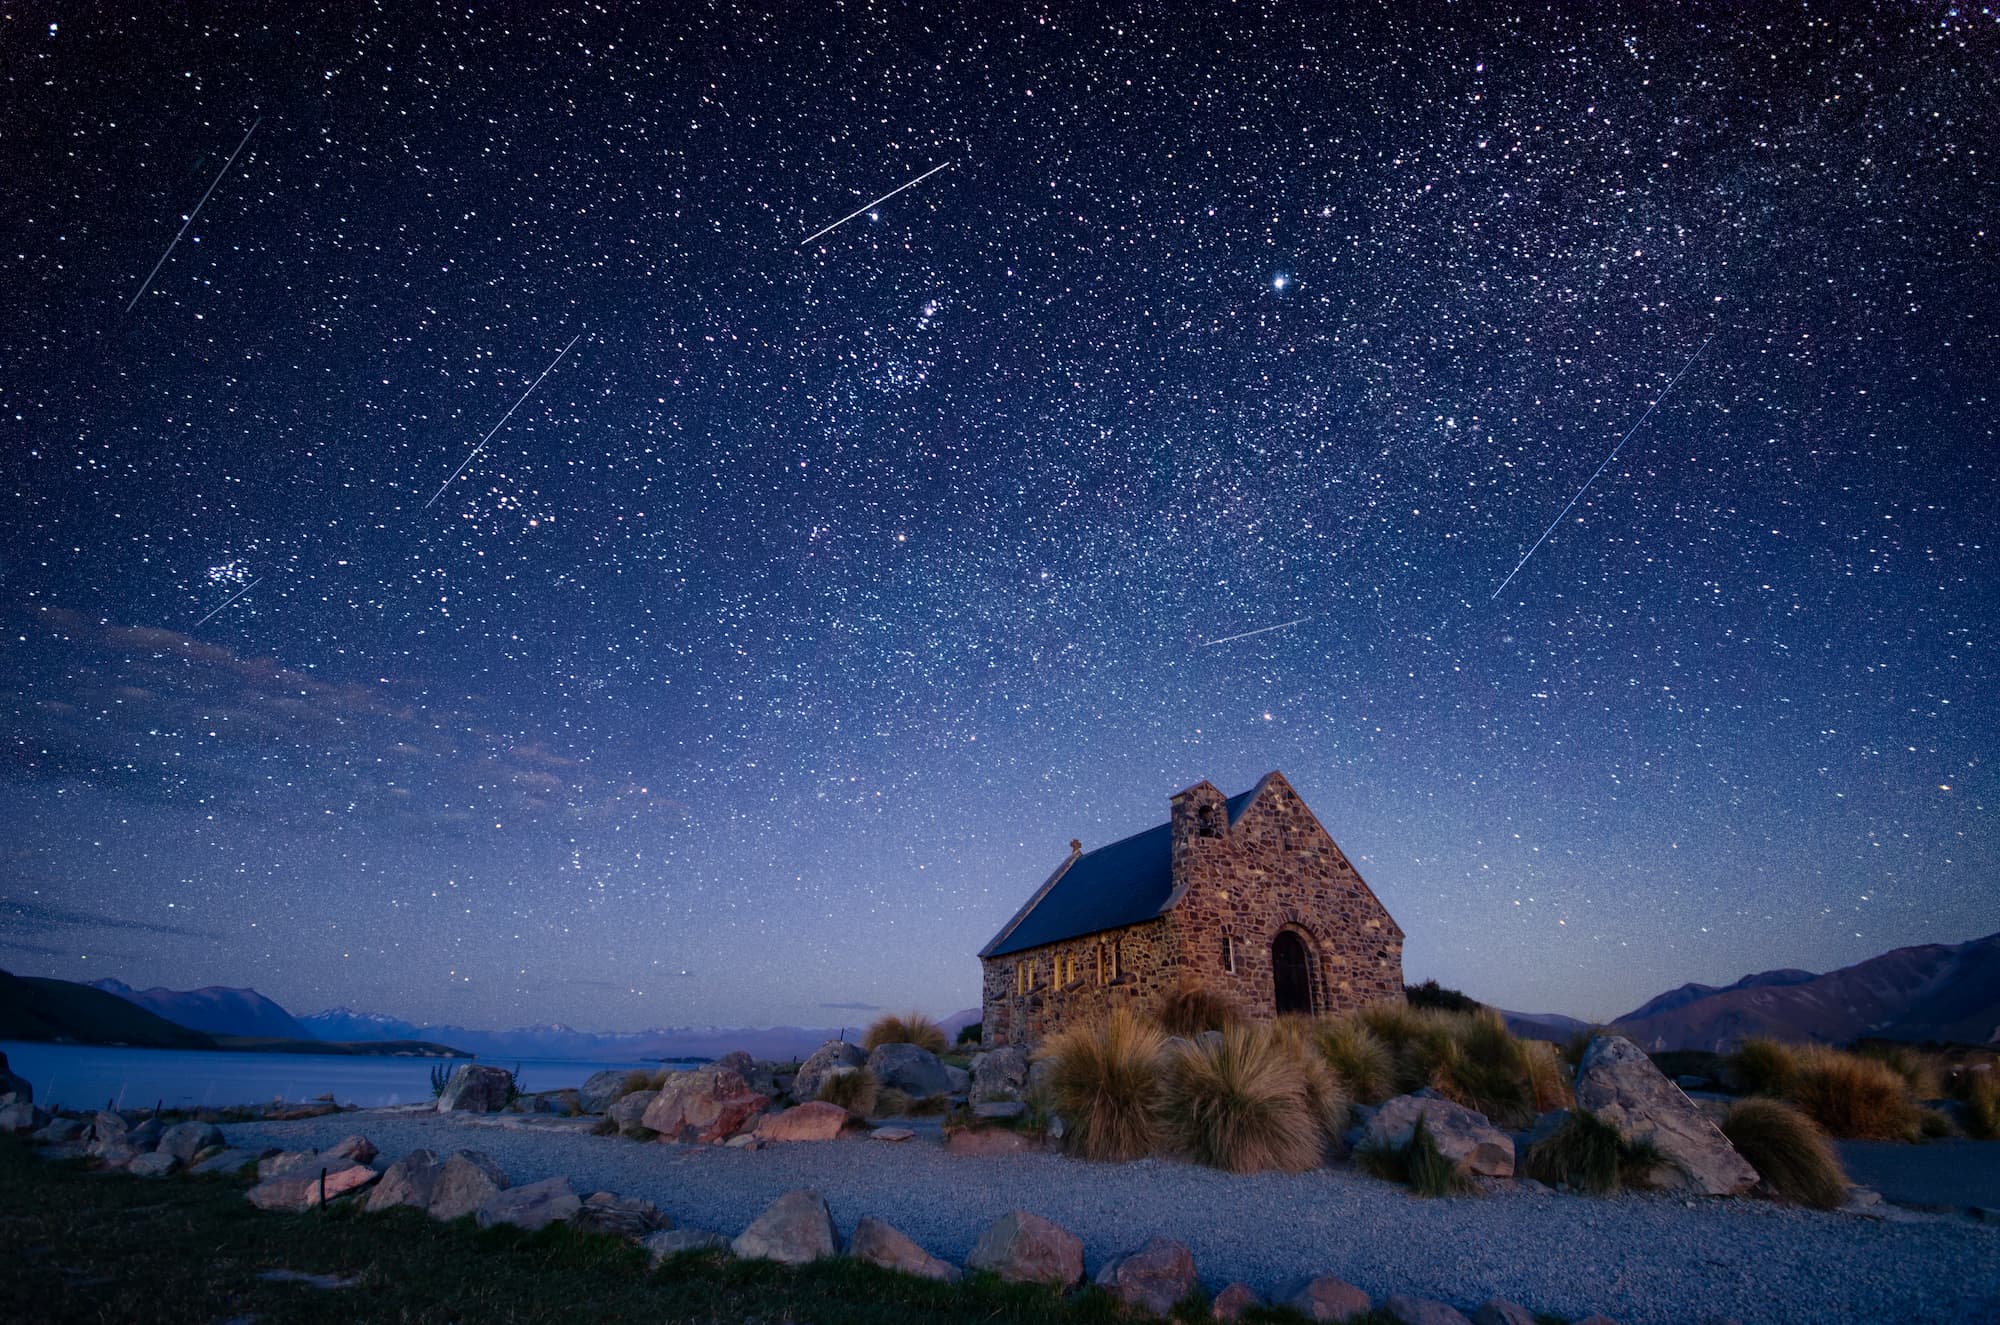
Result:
{"points": [[769, 654]]}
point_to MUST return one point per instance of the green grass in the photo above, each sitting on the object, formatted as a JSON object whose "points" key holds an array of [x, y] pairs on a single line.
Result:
{"points": [[82, 1246]]}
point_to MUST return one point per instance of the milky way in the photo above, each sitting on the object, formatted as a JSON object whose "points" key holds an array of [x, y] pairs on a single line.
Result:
{"points": [[772, 650]]}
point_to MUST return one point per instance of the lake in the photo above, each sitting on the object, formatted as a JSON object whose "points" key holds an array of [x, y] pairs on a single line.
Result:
{"points": [[79, 1076]]}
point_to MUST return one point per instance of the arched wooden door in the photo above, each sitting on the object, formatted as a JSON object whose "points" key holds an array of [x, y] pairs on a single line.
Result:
{"points": [[1291, 974]]}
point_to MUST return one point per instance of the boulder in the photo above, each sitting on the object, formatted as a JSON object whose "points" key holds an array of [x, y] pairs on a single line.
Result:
{"points": [[878, 1243], [21, 1116], [1421, 1311], [1000, 1074], [225, 1161], [916, 1072], [622, 1216], [999, 1110], [600, 1090], [629, 1113], [1464, 1137], [959, 1080], [145, 1135], [1327, 1298], [1233, 1301], [476, 1088], [989, 1141], [891, 1134], [1618, 1083], [1499, 1311], [710, 1104], [674, 1241], [1151, 1279], [815, 1121], [17, 1086], [794, 1229], [284, 1161], [536, 1205], [466, 1180], [1040, 1072], [357, 1148], [113, 1154], [301, 1189], [738, 1061], [184, 1141], [59, 1131], [104, 1125], [1027, 1248], [411, 1180], [812, 1074], [153, 1164]]}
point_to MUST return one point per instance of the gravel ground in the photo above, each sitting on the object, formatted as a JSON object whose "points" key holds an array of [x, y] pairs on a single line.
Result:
{"points": [[1643, 1260]]}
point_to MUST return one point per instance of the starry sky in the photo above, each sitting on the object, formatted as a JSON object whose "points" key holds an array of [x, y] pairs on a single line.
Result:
{"points": [[795, 603]]}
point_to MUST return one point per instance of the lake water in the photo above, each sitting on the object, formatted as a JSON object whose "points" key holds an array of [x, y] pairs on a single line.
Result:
{"points": [[80, 1076]]}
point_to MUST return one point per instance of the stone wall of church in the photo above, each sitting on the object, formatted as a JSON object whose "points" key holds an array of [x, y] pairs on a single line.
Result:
{"points": [[1075, 981]]}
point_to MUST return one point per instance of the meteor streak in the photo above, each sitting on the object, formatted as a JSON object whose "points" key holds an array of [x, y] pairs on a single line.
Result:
{"points": [[196, 212], [503, 420], [1261, 630], [1599, 470], [232, 598], [865, 206]]}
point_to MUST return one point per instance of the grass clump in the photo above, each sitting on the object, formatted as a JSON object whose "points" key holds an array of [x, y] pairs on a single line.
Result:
{"points": [[1549, 1080], [1854, 1097], [1762, 1066], [1239, 1101], [1366, 1068], [1790, 1151], [1980, 1094], [892, 1103], [908, 1028], [1587, 1154], [1106, 1085], [635, 1082], [1193, 1008], [1483, 1067], [1418, 1164], [854, 1090], [1431, 994], [1922, 1073]]}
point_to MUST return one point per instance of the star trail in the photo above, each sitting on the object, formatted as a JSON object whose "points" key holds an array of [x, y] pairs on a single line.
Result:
{"points": [[786, 631]]}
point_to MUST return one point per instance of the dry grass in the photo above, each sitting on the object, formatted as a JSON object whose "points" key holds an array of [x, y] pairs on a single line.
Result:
{"points": [[1854, 1097], [638, 1081], [1587, 1154], [1980, 1094], [1417, 1163], [1363, 1063], [1762, 1066], [1922, 1073], [909, 1028], [1326, 1095], [854, 1090], [1106, 1085], [1789, 1151], [1193, 1008], [1238, 1101], [1483, 1067], [1549, 1079]]}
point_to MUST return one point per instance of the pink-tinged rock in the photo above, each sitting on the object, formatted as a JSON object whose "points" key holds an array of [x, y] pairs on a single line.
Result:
{"points": [[794, 1229], [879, 1243], [989, 1141], [1327, 1298], [710, 1104], [817, 1121], [301, 1189], [628, 1113], [186, 1141], [1152, 1278], [1499, 1311], [357, 1148], [411, 1180], [1422, 1311], [891, 1134], [1618, 1083], [1466, 1138], [1026, 1248], [466, 1180], [285, 1161], [1233, 1301], [534, 1206]]}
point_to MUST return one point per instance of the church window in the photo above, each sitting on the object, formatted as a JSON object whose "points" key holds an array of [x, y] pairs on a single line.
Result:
{"points": [[1229, 954]]}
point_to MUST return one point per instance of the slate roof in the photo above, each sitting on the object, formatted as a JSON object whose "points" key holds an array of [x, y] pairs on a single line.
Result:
{"points": [[1119, 884]]}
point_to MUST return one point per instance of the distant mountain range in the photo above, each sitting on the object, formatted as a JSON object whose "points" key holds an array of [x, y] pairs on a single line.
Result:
{"points": [[216, 1010], [32, 1008], [1935, 991]]}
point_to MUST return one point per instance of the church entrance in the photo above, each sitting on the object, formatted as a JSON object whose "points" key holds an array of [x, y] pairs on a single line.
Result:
{"points": [[1291, 974]]}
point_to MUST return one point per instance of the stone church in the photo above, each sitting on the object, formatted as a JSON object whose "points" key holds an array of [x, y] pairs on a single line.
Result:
{"points": [[1246, 894]]}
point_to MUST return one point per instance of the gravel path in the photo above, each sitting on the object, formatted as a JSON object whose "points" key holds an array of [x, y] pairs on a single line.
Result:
{"points": [[1643, 1260]]}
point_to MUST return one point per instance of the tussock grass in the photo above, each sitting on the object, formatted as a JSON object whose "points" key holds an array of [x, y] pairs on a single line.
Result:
{"points": [[892, 1103], [1980, 1094], [1418, 1164], [1854, 1097], [854, 1090], [1106, 1085], [1588, 1155], [1483, 1067], [1363, 1063], [1790, 1151], [1193, 1008], [1550, 1082], [1327, 1101], [635, 1082], [1238, 1101], [1922, 1073], [1762, 1066], [908, 1028]]}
